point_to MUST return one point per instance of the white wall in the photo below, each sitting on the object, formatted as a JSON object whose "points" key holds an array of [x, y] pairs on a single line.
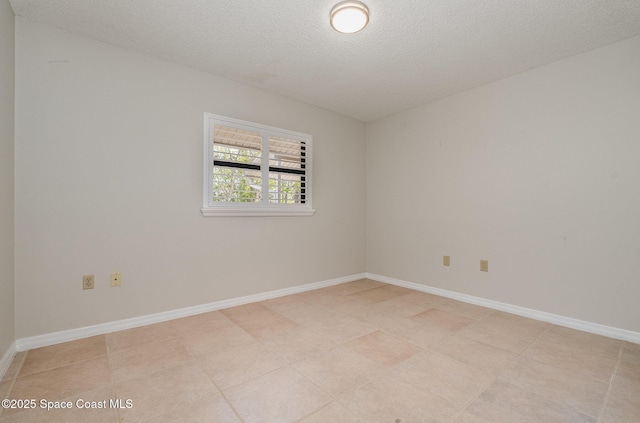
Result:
{"points": [[109, 178], [538, 173], [6, 175]]}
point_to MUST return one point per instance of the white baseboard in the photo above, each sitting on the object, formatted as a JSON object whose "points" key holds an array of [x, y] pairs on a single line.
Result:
{"points": [[595, 328], [25, 344], [6, 359]]}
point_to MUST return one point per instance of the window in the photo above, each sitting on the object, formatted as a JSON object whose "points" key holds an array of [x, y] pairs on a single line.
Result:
{"points": [[255, 170]]}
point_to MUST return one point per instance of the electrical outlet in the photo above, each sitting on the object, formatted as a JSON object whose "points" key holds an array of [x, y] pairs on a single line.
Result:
{"points": [[446, 261], [87, 282], [484, 265], [116, 279]]}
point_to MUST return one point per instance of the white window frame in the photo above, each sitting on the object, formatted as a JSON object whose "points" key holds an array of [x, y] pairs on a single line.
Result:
{"points": [[264, 208]]}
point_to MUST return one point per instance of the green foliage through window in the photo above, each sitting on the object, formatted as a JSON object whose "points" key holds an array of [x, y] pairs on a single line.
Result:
{"points": [[254, 164]]}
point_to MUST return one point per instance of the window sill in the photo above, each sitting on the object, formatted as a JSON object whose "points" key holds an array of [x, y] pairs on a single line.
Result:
{"points": [[253, 212]]}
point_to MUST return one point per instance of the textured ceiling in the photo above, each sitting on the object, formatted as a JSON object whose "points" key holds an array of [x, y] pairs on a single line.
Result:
{"points": [[412, 51]]}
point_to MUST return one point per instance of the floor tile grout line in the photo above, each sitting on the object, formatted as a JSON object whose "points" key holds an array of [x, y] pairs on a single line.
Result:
{"points": [[197, 363], [317, 386], [338, 314], [423, 349], [221, 391], [336, 398], [292, 366], [19, 369], [549, 329], [143, 344], [453, 333], [458, 408], [497, 375], [155, 372], [610, 385], [410, 342], [73, 363], [533, 341], [113, 383], [12, 383], [111, 380], [146, 344], [552, 400], [194, 361], [65, 399]]}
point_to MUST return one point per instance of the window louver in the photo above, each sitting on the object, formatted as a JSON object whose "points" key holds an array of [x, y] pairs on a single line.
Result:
{"points": [[255, 170], [237, 158], [287, 171]]}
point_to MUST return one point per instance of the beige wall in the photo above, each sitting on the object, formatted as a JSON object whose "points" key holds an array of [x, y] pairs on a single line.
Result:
{"points": [[109, 178], [538, 173], [6, 175]]}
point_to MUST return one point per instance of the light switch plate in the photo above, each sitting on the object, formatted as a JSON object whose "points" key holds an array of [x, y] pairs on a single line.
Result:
{"points": [[116, 279], [484, 265]]}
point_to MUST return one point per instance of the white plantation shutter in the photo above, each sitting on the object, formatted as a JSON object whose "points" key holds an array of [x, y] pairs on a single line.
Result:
{"points": [[237, 160], [252, 169], [287, 170]]}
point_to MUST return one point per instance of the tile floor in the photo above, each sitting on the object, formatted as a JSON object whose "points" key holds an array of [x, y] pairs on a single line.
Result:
{"points": [[357, 352]]}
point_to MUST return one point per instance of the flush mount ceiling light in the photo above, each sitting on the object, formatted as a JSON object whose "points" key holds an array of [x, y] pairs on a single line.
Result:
{"points": [[349, 16]]}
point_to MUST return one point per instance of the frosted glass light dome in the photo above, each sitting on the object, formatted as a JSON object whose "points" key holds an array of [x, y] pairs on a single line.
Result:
{"points": [[349, 16]]}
